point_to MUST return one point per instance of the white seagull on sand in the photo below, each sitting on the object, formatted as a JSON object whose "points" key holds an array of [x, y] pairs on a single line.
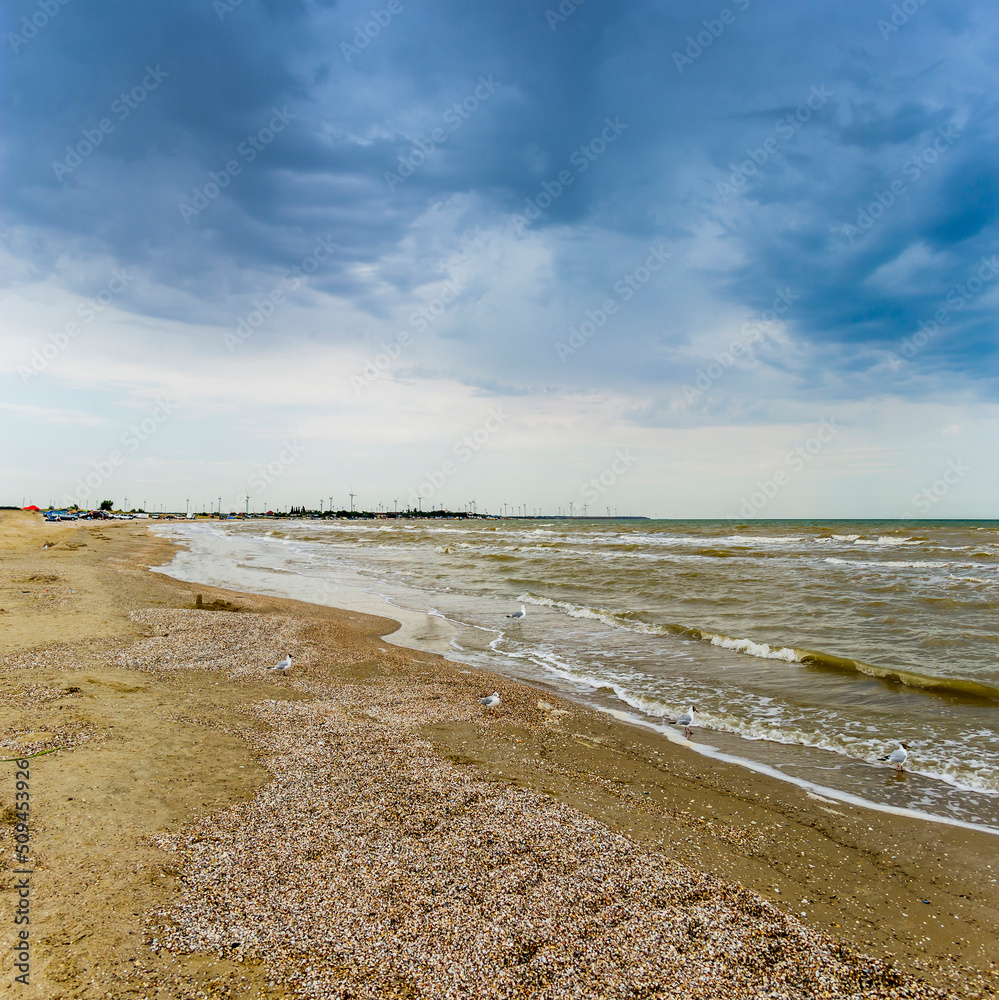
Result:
{"points": [[491, 702], [522, 613], [284, 665], [898, 757], [686, 720]]}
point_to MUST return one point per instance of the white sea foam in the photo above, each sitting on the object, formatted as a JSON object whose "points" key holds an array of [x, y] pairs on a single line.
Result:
{"points": [[747, 646], [707, 750], [891, 563], [756, 719], [761, 649]]}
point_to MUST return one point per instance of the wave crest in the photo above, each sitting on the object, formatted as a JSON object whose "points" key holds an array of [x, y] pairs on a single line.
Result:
{"points": [[953, 687]]}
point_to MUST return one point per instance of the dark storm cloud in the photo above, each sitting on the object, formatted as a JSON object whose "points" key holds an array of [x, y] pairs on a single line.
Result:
{"points": [[809, 145]]}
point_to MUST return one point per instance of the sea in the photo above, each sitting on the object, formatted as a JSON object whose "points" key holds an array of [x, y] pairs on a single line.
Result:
{"points": [[808, 649]]}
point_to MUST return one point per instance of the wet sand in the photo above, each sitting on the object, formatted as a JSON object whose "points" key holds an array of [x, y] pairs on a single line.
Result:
{"points": [[191, 783]]}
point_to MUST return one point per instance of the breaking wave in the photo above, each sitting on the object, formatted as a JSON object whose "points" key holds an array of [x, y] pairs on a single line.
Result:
{"points": [[954, 687]]}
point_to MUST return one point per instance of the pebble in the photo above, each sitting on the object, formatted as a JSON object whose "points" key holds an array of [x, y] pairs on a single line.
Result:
{"points": [[371, 867]]}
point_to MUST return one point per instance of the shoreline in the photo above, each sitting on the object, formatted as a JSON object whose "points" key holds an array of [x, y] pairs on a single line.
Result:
{"points": [[777, 840], [431, 631]]}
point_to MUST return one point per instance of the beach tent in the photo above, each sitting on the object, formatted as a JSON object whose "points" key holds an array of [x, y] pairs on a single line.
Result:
{"points": [[32, 507]]}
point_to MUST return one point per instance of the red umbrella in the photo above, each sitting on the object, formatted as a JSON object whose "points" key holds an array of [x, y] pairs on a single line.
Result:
{"points": [[32, 507]]}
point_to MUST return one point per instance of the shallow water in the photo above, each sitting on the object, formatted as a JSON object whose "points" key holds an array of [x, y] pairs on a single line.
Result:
{"points": [[808, 648]]}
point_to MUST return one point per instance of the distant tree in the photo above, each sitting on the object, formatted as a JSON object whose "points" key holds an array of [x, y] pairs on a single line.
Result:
{"points": [[107, 505]]}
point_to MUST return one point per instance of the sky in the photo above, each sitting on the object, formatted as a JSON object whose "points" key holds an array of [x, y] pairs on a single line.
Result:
{"points": [[646, 258]]}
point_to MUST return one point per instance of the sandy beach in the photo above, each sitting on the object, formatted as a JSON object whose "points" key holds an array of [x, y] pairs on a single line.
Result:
{"points": [[361, 827]]}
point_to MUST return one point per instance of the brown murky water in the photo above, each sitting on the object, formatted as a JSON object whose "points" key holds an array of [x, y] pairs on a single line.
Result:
{"points": [[808, 648]]}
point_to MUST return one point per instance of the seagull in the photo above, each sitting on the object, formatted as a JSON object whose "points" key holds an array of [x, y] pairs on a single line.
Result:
{"points": [[898, 757], [491, 702], [284, 665], [522, 613], [686, 720]]}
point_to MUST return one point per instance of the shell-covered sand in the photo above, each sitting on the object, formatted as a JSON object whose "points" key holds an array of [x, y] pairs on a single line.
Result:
{"points": [[370, 867], [362, 827]]}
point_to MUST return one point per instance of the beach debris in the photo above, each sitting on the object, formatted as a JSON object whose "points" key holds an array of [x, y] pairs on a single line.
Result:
{"points": [[552, 711], [284, 664], [491, 702], [898, 757], [686, 720], [518, 615]]}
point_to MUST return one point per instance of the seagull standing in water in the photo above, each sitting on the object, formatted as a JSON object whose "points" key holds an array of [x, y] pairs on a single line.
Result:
{"points": [[898, 757], [491, 702], [284, 665], [522, 613], [686, 720]]}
